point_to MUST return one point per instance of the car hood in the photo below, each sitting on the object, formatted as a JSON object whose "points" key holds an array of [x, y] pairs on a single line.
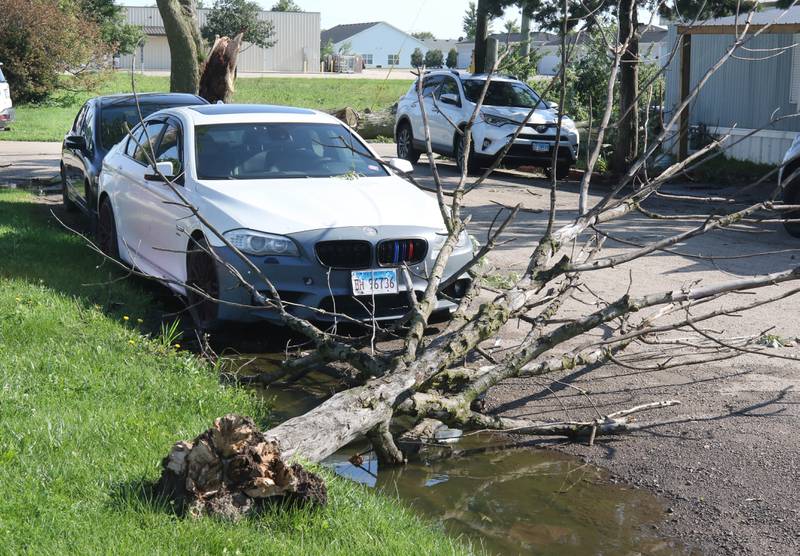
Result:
{"points": [[518, 114], [286, 206]]}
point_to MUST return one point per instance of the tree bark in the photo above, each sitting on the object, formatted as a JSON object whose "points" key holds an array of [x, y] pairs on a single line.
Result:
{"points": [[219, 71], [185, 44], [627, 133], [525, 28], [481, 34]]}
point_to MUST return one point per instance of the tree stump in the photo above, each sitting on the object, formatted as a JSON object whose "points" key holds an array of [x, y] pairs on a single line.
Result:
{"points": [[231, 470]]}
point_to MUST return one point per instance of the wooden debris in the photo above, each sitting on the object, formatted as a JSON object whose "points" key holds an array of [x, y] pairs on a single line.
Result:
{"points": [[232, 469]]}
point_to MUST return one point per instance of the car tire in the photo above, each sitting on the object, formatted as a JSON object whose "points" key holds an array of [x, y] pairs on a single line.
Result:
{"points": [[201, 273], [473, 166], [791, 196], [107, 231], [69, 204], [405, 143]]}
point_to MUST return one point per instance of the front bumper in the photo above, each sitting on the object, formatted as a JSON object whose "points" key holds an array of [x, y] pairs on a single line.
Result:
{"points": [[315, 292], [7, 116], [490, 140]]}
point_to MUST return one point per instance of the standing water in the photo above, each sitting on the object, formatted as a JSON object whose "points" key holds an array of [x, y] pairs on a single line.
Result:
{"points": [[505, 501]]}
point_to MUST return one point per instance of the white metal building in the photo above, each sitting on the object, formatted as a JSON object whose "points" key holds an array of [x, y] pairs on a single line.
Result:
{"points": [[760, 83], [296, 37], [379, 44]]}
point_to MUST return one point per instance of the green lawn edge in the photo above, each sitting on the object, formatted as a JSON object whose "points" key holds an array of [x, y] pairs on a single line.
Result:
{"points": [[49, 121], [89, 405]]}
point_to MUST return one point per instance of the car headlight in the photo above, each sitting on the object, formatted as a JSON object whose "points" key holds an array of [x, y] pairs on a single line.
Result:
{"points": [[259, 243], [498, 120], [569, 125]]}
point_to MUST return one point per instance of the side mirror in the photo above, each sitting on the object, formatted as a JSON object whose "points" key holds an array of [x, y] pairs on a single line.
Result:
{"points": [[450, 98], [551, 105], [162, 170], [75, 142], [400, 165]]}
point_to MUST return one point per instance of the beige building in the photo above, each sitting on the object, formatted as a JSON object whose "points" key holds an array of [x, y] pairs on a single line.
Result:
{"points": [[296, 49]]}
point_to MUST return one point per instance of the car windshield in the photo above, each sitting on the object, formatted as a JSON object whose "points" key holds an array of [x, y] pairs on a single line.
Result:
{"points": [[2, 77], [247, 151], [116, 120], [502, 93]]}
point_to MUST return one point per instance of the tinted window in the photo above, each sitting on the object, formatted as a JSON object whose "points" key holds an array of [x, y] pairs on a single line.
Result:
{"points": [[429, 84], [78, 123], [86, 130], [502, 93], [134, 140], [169, 149], [148, 141], [280, 150], [115, 121], [449, 86]]}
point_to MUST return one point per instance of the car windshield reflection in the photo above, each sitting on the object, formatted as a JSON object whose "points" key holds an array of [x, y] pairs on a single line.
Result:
{"points": [[247, 151]]}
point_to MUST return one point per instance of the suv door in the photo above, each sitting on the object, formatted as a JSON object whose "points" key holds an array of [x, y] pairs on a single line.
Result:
{"points": [[447, 116], [429, 84]]}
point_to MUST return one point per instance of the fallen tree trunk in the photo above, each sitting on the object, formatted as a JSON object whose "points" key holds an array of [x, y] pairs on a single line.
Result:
{"points": [[369, 125]]}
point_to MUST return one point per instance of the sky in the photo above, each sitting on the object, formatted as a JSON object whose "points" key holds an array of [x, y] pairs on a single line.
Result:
{"points": [[443, 18]]}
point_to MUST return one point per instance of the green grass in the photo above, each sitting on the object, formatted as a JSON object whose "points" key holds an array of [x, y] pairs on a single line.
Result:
{"points": [[89, 406], [51, 120]]}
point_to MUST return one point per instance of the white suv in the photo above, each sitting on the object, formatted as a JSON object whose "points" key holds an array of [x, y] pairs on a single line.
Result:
{"points": [[6, 111], [508, 101]]}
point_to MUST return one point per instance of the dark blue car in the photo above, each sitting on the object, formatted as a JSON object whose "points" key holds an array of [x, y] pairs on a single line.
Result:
{"points": [[100, 124]]}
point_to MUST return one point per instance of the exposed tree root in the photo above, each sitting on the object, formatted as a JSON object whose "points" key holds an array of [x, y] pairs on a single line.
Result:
{"points": [[231, 469]]}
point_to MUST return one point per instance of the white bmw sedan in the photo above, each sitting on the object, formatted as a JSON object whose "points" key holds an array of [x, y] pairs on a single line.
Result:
{"points": [[295, 190]]}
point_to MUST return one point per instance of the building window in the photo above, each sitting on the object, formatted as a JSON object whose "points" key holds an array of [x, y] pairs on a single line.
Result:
{"points": [[367, 59], [394, 59]]}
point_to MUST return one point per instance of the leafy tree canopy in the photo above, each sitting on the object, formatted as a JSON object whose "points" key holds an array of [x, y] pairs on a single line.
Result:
{"points": [[228, 18], [423, 35], [286, 6]]}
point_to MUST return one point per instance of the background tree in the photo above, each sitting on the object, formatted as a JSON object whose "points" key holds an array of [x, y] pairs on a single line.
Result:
{"points": [[417, 58], [345, 49], [470, 21], [452, 58], [286, 6], [40, 40], [186, 49], [511, 26], [228, 18], [434, 58], [423, 35], [326, 49], [121, 37]]}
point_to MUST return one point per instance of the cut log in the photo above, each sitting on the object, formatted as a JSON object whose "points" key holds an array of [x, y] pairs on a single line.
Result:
{"points": [[369, 125]]}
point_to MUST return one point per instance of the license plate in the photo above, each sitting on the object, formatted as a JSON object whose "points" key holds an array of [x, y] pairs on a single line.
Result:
{"points": [[539, 147], [374, 282]]}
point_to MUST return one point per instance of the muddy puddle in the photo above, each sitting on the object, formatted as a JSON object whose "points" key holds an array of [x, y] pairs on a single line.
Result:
{"points": [[503, 501]]}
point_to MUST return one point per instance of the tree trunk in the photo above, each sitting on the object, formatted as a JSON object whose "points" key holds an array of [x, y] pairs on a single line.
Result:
{"points": [[185, 44], [481, 34], [627, 133], [219, 71], [525, 29]]}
